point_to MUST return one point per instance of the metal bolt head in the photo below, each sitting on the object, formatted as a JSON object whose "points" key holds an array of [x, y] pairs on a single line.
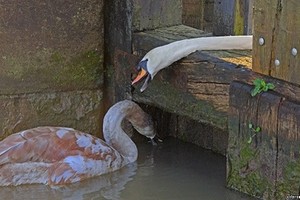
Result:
{"points": [[261, 41], [277, 62], [294, 51]]}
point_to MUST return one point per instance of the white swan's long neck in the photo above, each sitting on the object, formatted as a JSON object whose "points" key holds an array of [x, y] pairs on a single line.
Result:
{"points": [[114, 134], [164, 56]]}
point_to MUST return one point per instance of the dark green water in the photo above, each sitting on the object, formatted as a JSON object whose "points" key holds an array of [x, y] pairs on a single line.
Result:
{"points": [[170, 171]]}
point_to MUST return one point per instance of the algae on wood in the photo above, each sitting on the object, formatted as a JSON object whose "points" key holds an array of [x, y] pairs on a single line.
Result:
{"points": [[264, 166]]}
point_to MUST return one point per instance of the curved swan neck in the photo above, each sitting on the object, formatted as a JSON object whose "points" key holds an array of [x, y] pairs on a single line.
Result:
{"points": [[163, 56], [114, 134]]}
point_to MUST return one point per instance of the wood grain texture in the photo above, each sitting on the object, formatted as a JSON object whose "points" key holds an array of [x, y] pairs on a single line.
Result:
{"points": [[193, 13], [267, 166], [148, 15], [288, 172], [279, 24], [232, 17], [286, 38], [264, 12], [198, 85]]}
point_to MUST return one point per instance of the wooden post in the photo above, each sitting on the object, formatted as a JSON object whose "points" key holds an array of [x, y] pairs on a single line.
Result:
{"points": [[265, 163], [277, 27], [232, 17], [251, 165], [149, 15], [118, 36], [193, 13]]}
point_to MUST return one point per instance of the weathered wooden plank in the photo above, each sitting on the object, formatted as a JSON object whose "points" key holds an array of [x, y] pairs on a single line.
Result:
{"points": [[232, 17], [209, 15], [251, 164], [167, 93], [240, 58], [264, 13], [200, 82], [149, 15], [123, 67], [267, 116], [195, 88], [278, 23], [193, 13], [249, 10], [224, 17], [241, 156], [286, 37], [171, 121], [288, 165], [243, 12], [118, 35]]}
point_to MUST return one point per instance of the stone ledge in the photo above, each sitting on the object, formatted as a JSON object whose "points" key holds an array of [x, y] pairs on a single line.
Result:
{"points": [[76, 109]]}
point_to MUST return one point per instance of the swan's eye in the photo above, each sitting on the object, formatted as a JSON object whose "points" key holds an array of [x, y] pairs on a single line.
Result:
{"points": [[142, 64]]}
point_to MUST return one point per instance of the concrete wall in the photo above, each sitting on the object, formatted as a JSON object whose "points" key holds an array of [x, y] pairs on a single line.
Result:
{"points": [[51, 64]]}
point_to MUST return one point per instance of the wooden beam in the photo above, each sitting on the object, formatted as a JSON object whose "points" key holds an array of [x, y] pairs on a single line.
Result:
{"points": [[232, 17], [193, 13], [198, 84], [252, 156], [148, 15], [288, 164], [197, 87], [278, 23], [268, 164], [118, 35]]}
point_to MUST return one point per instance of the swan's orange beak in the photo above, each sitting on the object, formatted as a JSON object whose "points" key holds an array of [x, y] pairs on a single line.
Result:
{"points": [[142, 73]]}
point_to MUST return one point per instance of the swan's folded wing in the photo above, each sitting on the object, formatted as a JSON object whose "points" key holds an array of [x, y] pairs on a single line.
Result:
{"points": [[23, 146], [50, 144]]}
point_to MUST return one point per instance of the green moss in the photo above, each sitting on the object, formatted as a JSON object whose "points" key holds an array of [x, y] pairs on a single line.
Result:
{"points": [[83, 69], [56, 57], [238, 19], [54, 69], [171, 99], [291, 180], [183, 136], [243, 176]]}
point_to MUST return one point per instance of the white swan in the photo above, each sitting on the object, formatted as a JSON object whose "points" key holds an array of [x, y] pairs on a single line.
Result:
{"points": [[163, 56], [57, 155]]}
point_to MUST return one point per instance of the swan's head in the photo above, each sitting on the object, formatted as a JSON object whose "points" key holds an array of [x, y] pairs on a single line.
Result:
{"points": [[143, 72], [154, 61], [143, 123]]}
